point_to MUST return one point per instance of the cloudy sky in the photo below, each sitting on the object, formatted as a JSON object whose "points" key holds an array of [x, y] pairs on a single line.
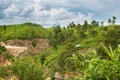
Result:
{"points": [[50, 12]]}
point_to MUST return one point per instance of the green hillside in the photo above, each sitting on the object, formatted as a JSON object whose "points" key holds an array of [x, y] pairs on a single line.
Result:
{"points": [[87, 51]]}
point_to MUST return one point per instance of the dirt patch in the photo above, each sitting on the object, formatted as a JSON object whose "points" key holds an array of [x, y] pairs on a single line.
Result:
{"points": [[15, 50], [4, 61], [26, 45], [87, 50]]}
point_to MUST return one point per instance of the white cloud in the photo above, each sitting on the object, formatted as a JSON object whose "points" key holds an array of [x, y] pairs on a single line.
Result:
{"points": [[63, 17], [11, 10], [50, 12], [34, 12], [94, 4]]}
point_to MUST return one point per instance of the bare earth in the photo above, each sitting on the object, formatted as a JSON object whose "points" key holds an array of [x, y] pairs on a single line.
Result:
{"points": [[20, 47]]}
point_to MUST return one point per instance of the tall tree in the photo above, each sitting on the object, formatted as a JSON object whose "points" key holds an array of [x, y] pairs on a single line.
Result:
{"points": [[113, 20], [102, 23], [85, 25], [78, 27], [71, 25], [94, 23], [58, 37], [4, 28], [109, 21]]}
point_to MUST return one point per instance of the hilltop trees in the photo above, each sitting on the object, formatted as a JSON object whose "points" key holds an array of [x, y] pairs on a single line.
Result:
{"points": [[109, 21], [71, 25], [85, 25], [22, 31], [95, 23], [112, 21], [102, 23], [58, 37], [78, 26]]}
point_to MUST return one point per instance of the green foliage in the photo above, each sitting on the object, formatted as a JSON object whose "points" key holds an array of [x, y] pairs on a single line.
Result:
{"points": [[105, 28], [85, 25], [57, 36], [2, 49], [42, 58], [8, 55], [102, 23], [4, 72], [71, 25], [101, 52], [50, 60], [104, 69], [5, 28], [102, 64], [112, 20], [95, 23], [23, 31], [109, 21], [78, 26], [33, 43], [32, 24], [93, 32], [27, 69], [5, 53], [62, 62], [82, 33], [112, 37]]}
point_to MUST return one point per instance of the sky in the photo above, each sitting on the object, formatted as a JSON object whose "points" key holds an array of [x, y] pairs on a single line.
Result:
{"points": [[50, 12]]}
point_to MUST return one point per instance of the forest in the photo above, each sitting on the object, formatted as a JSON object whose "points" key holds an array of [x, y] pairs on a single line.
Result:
{"points": [[89, 51]]}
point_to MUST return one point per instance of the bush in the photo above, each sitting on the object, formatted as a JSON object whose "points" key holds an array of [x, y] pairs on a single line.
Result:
{"points": [[4, 72], [101, 52], [7, 55], [27, 70], [104, 69], [33, 43], [112, 38], [2, 49]]}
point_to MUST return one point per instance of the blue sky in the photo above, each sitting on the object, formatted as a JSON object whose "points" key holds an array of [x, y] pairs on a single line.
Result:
{"points": [[50, 12]]}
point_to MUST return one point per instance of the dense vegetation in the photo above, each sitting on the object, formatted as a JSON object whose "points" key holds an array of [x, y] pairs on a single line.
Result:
{"points": [[22, 31], [88, 51]]}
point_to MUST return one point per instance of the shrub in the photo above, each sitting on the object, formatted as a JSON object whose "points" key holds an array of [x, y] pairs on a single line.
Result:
{"points": [[33, 43]]}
